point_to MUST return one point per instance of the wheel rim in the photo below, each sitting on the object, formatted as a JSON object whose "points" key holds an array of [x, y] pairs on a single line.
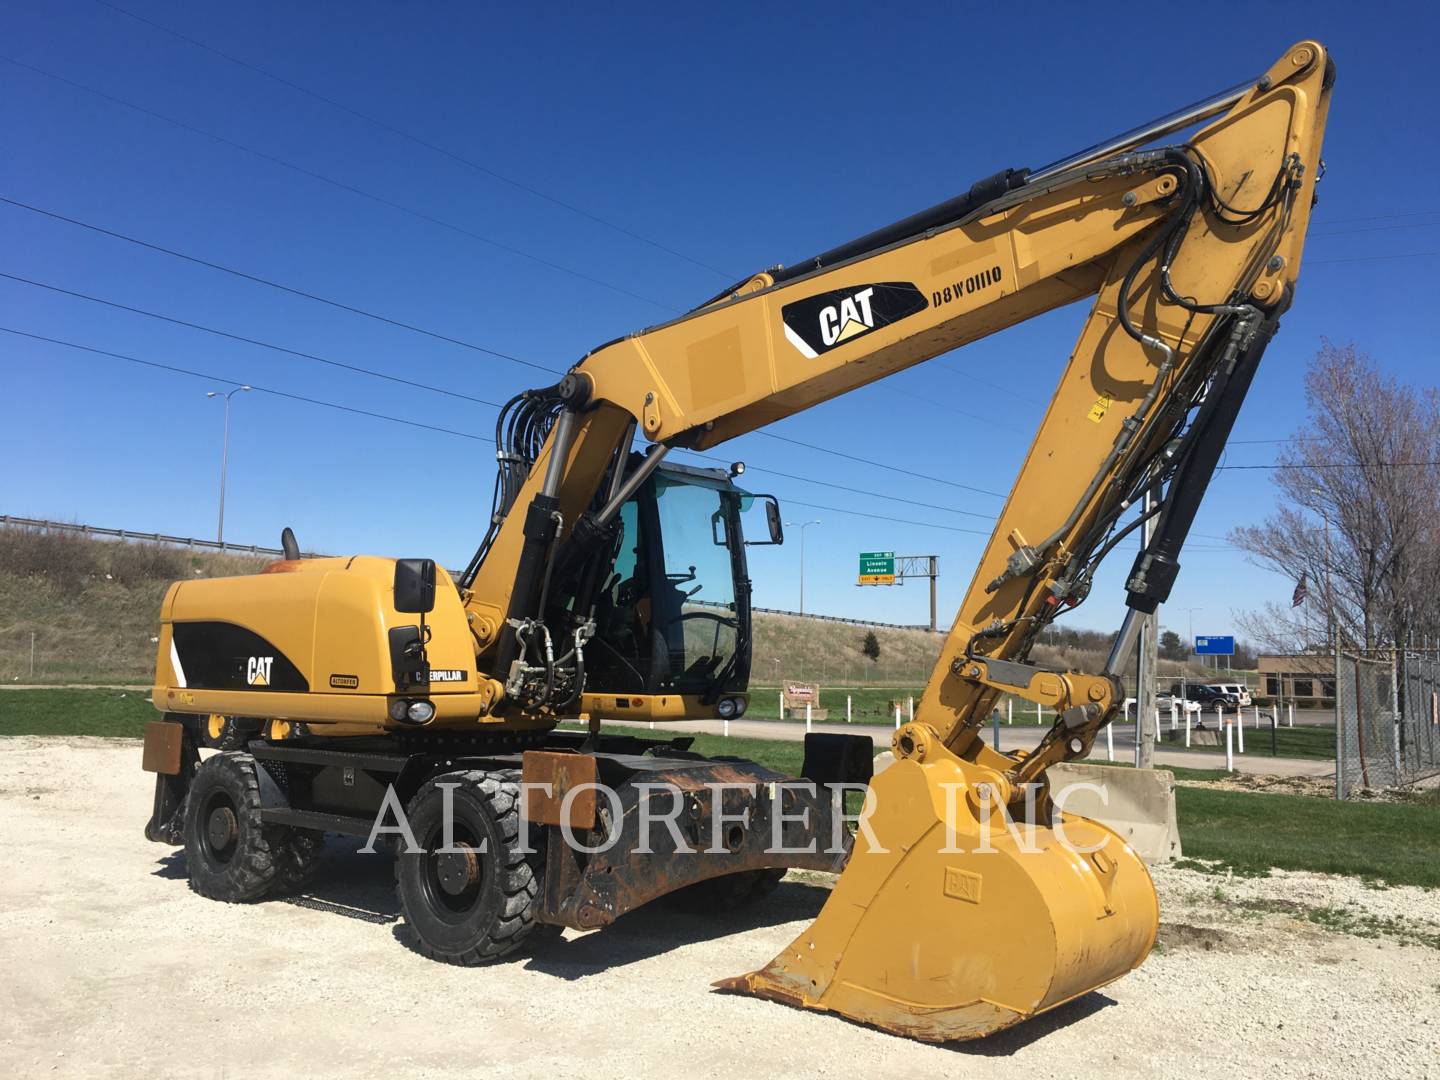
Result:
{"points": [[453, 879], [219, 832]]}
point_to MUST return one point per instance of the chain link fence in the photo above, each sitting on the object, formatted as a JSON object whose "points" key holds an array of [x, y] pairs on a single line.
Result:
{"points": [[1388, 711]]}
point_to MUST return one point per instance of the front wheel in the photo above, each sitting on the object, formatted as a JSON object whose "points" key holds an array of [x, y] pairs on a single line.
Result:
{"points": [[475, 901], [230, 853]]}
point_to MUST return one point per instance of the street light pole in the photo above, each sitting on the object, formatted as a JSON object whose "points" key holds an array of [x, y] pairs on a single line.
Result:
{"points": [[1189, 649], [802, 526], [224, 456]]}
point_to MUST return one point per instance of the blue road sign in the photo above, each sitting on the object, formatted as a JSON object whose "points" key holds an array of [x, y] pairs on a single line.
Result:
{"points": [[1215, 646]]}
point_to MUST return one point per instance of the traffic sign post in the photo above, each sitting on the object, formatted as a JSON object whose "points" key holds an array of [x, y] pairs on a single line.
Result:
{"points": [[877, 568]]}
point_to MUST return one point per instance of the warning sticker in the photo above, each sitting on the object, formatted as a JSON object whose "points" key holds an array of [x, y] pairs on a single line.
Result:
{"points": [[1100, 408]]}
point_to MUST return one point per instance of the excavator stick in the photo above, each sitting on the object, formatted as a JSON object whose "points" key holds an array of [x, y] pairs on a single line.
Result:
{"points": [[970, 918]]}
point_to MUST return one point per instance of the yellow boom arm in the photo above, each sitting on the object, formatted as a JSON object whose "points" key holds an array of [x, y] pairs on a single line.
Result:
{"points": [[1191, 253]]}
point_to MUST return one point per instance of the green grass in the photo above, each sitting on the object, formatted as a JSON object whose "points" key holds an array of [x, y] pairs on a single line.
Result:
{"points": [[1247, 832], [1398, 843], [115, 713], [1312, 743]]}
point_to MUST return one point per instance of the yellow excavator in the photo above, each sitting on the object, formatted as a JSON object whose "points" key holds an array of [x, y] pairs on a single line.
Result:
{"points": [[390, 698]]}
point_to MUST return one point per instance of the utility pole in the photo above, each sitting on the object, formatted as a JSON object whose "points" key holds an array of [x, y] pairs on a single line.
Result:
{"points": [[224, 457], [1146, 668], [802, 526]]}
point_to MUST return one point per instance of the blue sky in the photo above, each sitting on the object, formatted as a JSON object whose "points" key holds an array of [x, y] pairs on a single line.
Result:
{"points": [[738, 139]]}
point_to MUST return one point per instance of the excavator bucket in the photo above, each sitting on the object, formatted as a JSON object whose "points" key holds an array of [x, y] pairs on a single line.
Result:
{"points": [[953, 932]]}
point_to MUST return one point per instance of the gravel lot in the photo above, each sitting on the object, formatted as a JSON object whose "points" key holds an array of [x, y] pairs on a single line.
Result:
{"points": [[112, 967]]}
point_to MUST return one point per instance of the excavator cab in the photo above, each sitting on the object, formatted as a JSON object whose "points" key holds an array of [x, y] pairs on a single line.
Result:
{"points": [[673, 615]]}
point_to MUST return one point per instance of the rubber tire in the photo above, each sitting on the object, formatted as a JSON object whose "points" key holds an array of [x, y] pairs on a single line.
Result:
{"points": [[246, 869], [502, 914], [727, 893], [297, 857]]}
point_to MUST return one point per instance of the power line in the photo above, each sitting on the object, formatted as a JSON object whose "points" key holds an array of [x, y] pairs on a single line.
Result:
{"points": [[344, 186], [250, 341], [882, 517], [410, 136], [1378, 217], [440, 389], [291, 290], [175, 369], [1375, 258], [237, 382], [876, 464], [400, 324], [1378, 228], [842, 487]]}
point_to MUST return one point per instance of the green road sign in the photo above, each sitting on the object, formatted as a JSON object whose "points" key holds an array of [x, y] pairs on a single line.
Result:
{"points": [[877, 568]]}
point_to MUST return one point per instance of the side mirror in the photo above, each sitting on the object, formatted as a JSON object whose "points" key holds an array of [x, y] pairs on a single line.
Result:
{"points": [[773, 522], [772, 518], [415, 585]]}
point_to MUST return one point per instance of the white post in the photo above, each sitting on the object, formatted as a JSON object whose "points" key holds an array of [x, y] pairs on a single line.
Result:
{"points": [[727, 729], [807, 717], [897, 717], [847, 708], [782, 704], [1229, 756], [1240, 728], [1039, 719], [1009, 710], [1290, 715], [1256, 709], [1173, 709], [911, 705], [1109, 743], [1219, 716], [1187, 729]]}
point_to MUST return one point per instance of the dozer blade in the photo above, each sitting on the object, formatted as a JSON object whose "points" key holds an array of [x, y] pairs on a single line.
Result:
{"points": [[935, 937]]}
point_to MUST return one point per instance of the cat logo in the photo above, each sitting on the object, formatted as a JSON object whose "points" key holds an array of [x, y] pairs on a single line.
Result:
{"points": [[828, 320], [850, 317], [257, 670]]}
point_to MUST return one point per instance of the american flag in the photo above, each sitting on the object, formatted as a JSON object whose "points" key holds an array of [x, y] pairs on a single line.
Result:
{"points": [[1301, 592]]}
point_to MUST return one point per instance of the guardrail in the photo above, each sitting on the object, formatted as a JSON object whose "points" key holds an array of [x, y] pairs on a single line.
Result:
{"points": [[154, 538], [256, 549]]}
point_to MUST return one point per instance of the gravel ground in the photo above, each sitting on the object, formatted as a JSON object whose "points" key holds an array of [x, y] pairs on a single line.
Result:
{"points": [[112, 967]]}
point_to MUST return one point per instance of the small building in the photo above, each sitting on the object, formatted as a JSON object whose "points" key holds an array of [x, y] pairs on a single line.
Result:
{"points": [[1304, 678]]}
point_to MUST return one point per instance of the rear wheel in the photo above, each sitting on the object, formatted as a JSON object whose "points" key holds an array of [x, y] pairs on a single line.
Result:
{"points": [[230, 853], [475, 901]]}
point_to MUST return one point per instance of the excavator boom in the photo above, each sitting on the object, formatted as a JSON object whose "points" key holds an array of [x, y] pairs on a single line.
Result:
{"points": [[938, 928]]}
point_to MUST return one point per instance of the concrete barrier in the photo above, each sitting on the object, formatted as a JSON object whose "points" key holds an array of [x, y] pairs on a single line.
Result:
{"points": [[1139, 804]]}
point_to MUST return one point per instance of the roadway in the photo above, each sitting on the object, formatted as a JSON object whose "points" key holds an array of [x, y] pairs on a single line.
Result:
{"points": [[1026, 737]]}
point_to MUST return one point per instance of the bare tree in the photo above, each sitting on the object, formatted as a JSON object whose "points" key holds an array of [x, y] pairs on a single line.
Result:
{"points": [[1368, 463]]}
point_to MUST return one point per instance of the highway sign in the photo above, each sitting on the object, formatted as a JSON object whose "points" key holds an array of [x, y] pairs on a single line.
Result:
{"points": [[877, 568], [1215, 646]]}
